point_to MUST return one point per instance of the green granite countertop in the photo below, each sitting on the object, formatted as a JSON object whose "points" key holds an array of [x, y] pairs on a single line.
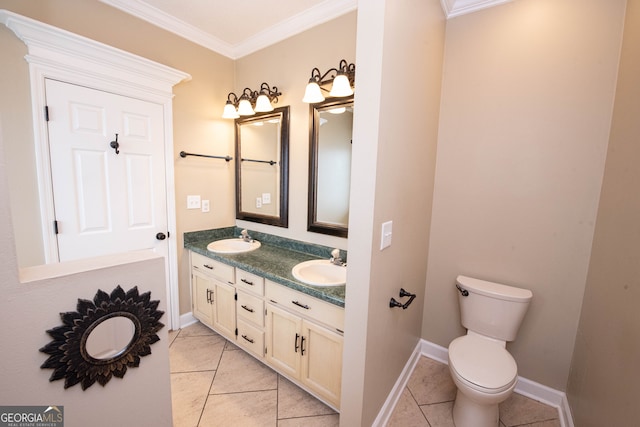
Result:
{"points": [[273, 260]]}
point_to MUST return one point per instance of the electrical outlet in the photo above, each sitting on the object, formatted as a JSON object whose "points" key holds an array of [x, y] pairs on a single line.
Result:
{"points": [[266, 198], [205, 206], [193, 202], [258, 202]]}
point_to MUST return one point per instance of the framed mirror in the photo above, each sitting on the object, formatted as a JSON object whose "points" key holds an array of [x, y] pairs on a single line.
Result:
{"points": [[330, 140], [103, 337], [262, 168]]}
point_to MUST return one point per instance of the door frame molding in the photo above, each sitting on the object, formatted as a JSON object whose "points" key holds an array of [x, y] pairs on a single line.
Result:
{"points": [[58, 54]]}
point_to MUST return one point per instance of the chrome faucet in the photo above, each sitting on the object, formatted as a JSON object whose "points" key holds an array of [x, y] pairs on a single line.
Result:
{"points": [[244, 235], [335, 258]]}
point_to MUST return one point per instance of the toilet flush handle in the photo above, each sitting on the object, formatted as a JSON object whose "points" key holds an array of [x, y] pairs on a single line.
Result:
{"points": [[464, 292]]}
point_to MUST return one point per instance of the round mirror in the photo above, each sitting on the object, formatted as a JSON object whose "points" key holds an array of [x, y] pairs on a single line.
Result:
{"points": [[110, 338], [103, 338]]}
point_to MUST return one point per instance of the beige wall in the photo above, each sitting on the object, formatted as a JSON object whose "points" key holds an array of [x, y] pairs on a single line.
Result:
{"points": [[526, 105], [394, 142], [288, 66], [28, 310], [603, 386], [197, 125]]}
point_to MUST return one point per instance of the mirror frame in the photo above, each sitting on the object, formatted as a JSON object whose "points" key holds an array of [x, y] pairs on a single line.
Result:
{"points": [[283, 219], [313, 224], [68, 355]]}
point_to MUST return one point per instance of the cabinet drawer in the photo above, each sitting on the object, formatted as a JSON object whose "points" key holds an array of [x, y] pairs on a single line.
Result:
{"points": [[250, 337], [306, 305], [250, 308], [213, 268], [250, 282]]}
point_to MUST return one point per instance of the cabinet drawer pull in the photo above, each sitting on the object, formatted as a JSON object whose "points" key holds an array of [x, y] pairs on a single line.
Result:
{"points": [[302, 346], [248, 282], [296, 346], [248, 339], [210, 267], [306, 307], [250, 310]]}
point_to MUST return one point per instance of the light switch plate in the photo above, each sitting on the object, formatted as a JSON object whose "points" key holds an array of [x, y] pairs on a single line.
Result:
{"points": [[266, 198], [193, 202], [387, 233]]}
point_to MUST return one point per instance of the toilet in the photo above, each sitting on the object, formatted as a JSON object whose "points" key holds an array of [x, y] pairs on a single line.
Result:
{"points": [[481, 367]]}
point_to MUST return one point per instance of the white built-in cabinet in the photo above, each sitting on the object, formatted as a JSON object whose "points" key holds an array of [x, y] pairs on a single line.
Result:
{"points": [[298, 335], [213, 299]]}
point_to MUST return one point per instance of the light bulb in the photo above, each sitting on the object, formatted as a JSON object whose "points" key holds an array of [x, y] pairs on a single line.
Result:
{"points": [[312, 93], [263, 105], [341, 86], [244, 108], [229, 111]]}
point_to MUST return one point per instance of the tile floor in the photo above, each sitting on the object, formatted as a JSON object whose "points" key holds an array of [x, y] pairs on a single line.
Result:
{"points": [[216, 384]]}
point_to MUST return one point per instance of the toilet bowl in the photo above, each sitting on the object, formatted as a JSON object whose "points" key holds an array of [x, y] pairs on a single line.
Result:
{"points": [[482, 369], [485, 375]]}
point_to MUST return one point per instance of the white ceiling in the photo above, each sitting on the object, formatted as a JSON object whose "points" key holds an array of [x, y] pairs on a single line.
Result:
{"points": [[236, 28]]}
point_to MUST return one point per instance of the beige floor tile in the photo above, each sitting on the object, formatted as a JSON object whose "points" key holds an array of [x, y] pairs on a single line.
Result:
{"points": [[439, 414], [230, 346], [293, 402], [318, 421], [188, 396], [239, 372], [172, 335], [518, 410], [407, 413], [249, 409], [431, 382], [195, 353], [196, 330]]}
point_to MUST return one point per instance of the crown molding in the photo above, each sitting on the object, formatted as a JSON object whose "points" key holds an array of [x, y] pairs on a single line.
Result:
{"points": [[453, 8], [323, 12], [63, 50]]}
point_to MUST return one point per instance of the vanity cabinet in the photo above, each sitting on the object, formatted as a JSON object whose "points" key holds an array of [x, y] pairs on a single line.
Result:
{"points": [[250, 310], [296, 334], [213, 294], [304, 340]]}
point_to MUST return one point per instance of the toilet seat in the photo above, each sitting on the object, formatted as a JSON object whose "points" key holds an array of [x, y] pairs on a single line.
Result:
{"points": [[482, 364]]}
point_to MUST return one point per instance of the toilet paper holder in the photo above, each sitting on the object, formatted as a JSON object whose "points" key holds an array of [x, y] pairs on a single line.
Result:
{"points": [[403, 293]]}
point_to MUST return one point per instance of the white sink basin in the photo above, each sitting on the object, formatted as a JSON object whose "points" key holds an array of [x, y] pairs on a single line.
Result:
{"points": [[320, 272], [232, 246]]}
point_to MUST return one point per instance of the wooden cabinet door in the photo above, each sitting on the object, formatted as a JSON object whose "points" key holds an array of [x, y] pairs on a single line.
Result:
{"points": [[283, 341], [224, 309], [202, 297], [322, 361]]}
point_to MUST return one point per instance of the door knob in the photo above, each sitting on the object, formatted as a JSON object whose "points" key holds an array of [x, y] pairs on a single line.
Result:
{"points": [[115, 145], [161, 236]]}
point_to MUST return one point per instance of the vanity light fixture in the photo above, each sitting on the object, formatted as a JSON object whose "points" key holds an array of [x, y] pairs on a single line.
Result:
{"points": [[342, 79], [251, 102]]}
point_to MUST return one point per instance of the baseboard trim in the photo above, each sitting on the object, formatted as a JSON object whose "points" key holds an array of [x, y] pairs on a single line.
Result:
{"points": [[187, 319], [392, 399], [526, 387]]}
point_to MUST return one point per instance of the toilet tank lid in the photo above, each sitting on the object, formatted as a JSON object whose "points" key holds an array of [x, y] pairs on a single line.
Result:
{"points": [[494, 290]]}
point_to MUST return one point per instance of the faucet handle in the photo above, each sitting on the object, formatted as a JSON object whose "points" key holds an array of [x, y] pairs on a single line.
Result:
{"points": [[335, 254]]}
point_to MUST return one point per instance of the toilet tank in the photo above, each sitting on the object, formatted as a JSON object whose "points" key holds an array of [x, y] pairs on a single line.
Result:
{"points": [[492, 309]]}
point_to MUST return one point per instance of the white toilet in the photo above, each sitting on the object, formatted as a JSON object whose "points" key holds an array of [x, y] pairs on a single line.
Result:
{"points": [[480, 365]]}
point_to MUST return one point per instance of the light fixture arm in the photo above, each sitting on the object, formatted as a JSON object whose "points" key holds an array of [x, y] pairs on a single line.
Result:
{"points": [[251, 95], [345, 68]]}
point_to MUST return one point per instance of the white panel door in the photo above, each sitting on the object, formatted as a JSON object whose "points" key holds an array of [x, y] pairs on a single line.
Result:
{"points": [[106, 199]]}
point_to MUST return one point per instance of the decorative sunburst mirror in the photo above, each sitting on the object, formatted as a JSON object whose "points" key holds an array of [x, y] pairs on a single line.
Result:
{"points": [[103, 337]]}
